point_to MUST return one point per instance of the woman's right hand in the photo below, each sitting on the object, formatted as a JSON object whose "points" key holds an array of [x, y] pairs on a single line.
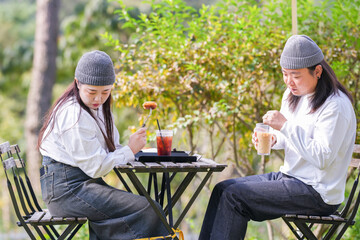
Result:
{"points": [[137, 140]]}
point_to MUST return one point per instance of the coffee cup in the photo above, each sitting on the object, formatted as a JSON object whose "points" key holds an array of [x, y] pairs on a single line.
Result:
{"points": [[264, 139]]}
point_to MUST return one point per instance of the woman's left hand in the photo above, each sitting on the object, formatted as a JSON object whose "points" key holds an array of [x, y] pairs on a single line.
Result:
{"points": [[137, 140], [274, 119], [255, 140]]}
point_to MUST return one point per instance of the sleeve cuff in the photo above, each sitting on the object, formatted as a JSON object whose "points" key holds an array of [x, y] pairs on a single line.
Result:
{"points": [[280, 137], [128, 155], [278, 144], [285, 128]]}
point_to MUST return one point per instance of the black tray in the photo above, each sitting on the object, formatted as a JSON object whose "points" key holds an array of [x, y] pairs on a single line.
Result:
{"points": [[176, 156]]}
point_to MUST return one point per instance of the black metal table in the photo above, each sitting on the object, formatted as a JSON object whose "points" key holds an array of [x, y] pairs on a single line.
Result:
{"points": [[168, 170]]}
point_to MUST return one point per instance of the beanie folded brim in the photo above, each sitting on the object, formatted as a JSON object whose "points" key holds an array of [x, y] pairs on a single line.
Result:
{"points": [[303, 62], [94, 80]]}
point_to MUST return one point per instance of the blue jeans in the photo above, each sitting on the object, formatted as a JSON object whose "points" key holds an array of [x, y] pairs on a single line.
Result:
{"points": [[260, 197], [112, 213]]}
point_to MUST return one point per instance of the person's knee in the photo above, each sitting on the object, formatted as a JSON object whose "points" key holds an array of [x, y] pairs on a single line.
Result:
{"points": [[237, 201], [221, 186]]}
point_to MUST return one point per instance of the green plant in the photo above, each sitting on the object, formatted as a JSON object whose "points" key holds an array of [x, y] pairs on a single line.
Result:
{"points": [[209, 70], [215, 71]]}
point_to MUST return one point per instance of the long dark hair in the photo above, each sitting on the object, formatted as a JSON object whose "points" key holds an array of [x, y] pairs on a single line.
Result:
{"points": [[327, 85], [73, 91]]}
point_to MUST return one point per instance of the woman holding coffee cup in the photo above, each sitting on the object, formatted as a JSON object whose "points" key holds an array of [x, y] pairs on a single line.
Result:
{"points": [[316, 126]]}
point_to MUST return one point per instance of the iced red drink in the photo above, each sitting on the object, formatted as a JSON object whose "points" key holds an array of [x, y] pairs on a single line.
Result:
{"points": [[164, 142]]}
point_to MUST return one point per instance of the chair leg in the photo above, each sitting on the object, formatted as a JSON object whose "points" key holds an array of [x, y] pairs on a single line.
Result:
{"points": [[39, 232], [305, 230], [330, 233], [75, 231], [293, 230], [49, 232], [54, 231], [343, 229], [67, 231], [28, 231]]}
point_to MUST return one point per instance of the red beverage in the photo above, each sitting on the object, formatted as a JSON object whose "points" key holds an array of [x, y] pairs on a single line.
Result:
{"points": [[163, 142], [164, 145]]}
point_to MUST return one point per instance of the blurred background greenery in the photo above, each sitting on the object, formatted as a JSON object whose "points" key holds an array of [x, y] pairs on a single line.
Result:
{"points": [[212, 67]]}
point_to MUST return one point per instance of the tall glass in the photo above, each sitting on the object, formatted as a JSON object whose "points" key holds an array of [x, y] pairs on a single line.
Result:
{"points": [[264, 139], [164, 142]]}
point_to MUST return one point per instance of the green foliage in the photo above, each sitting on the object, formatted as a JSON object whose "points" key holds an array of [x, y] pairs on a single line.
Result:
{"points": [[16, 39], [215, 71], [80, 32], [210, 69]]}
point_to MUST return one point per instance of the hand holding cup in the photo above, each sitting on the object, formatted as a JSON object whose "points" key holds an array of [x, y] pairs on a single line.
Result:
{"points": [[263, 139]]}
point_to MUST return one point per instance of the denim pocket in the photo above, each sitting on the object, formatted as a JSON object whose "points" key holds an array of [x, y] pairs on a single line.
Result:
{"points": [[47, 187]]}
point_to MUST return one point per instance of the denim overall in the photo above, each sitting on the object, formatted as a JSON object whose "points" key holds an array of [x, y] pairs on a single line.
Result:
{"points": [[112, 213]]}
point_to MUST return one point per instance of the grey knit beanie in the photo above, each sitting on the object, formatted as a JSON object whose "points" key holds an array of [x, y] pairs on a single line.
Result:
{"points": [[300, 51], [95, 68]]}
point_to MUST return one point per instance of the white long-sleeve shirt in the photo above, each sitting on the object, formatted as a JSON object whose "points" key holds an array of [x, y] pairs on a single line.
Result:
{"points": [[78, 141], [318, 146]]}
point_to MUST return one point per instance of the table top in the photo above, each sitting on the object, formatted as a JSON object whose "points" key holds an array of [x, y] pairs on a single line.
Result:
{"points": [[201, 165]]}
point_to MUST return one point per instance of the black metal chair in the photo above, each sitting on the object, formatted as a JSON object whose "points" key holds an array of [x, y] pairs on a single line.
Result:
{"points": [[27, 209], [338, 222]]}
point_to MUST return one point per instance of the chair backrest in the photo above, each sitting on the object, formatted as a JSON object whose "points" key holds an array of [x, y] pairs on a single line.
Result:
{"points": [[14, 166], [352, 205], [353, 167], [10, 169], [26, 206], [356, 157], [354, 196]]}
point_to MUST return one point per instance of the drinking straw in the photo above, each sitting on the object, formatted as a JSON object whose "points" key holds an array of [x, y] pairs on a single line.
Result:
{"points": [[157, 120]]}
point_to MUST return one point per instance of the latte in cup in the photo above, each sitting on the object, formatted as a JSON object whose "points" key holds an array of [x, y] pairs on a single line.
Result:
{"points": [[264, 139], [264, 143]]}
